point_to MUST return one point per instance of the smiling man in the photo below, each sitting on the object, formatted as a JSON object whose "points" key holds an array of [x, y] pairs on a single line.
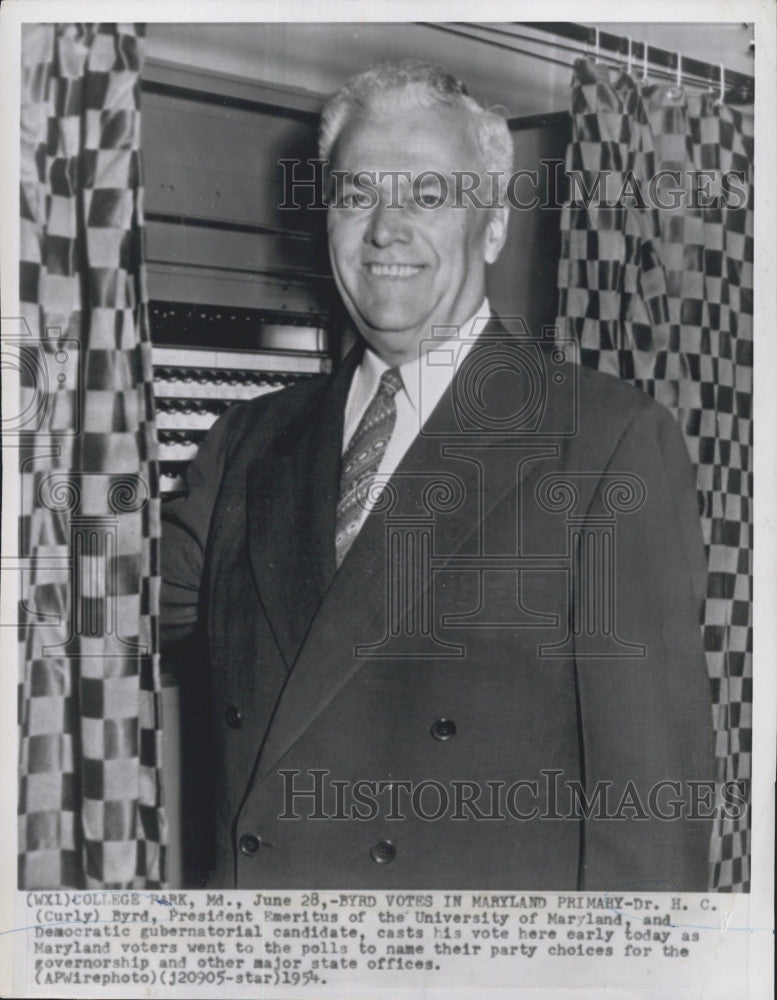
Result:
{"points": [[450, 594], [403, 258]]}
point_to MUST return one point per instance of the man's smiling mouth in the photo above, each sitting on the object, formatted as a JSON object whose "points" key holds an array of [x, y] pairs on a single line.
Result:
{"points": [[393, 270]]}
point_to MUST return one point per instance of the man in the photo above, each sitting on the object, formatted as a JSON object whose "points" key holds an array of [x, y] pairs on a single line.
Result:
{"points": [[450, 594]]}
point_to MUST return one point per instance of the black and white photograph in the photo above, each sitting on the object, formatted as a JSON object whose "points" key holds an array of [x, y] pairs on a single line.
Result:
{"points": [[382, 603]]}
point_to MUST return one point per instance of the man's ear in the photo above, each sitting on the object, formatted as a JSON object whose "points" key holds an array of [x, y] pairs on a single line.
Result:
{"points": [[496, 232]]}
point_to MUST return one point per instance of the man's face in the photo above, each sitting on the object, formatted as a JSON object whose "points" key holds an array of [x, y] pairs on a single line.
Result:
{"points": [[403, 269]]}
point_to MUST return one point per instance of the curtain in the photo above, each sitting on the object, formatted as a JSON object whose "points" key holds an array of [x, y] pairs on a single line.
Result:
{"points": [[657, 287], [90, 799]]}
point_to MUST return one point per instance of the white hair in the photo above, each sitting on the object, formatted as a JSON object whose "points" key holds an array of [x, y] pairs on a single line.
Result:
{"points": [[417, 84]]}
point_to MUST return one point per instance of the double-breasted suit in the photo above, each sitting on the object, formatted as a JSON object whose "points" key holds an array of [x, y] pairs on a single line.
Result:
{"points": [[511, 628]]}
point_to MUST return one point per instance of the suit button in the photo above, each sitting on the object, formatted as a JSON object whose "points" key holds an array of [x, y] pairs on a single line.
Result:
{"points": [[249, 844], [383, 853], [234, 717], [443, 729]]}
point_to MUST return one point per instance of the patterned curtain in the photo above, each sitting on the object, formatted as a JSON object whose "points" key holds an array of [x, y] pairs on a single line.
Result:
{"points": [[659, 291], [90, 804]]}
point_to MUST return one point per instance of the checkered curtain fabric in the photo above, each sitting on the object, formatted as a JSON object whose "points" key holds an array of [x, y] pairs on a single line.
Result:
{"points": [[660, 292], [90, 809]]}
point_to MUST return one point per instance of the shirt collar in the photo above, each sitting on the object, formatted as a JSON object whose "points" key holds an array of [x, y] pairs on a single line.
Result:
{"points": [[435, 365]]}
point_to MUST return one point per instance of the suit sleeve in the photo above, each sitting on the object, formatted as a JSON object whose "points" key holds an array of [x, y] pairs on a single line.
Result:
{"points": [[185, 526], [646, 720], [681, 478]]}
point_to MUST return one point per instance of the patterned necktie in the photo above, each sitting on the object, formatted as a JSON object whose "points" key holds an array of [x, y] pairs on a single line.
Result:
{"points": [[363, 457]]}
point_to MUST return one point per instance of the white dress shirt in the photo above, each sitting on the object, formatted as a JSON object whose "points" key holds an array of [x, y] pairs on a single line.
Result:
{"points": [[424, 380]]}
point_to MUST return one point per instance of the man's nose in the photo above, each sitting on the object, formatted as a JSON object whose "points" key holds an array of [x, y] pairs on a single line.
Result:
{"points": [[387, 225]]}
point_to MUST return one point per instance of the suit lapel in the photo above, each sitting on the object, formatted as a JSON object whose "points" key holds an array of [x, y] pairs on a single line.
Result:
{"points": [[353, 609], [291, 506]]}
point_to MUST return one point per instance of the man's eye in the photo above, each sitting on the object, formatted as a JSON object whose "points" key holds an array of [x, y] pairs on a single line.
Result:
{"points": [[355, 200], [430, 198]]}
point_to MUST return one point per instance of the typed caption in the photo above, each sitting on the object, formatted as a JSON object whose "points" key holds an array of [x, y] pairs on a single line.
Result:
{"points": [[282, 943]]}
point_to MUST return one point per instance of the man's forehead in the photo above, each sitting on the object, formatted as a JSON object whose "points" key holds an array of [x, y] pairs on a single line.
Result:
{"points": [[414, 138]]}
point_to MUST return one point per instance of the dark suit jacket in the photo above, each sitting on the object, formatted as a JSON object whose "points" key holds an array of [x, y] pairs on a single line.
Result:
{"points": [[546, 679]]}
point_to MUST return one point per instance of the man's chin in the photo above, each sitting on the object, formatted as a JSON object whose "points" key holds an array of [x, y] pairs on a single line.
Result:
{"points": [[393, 321], [394, 345]]}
